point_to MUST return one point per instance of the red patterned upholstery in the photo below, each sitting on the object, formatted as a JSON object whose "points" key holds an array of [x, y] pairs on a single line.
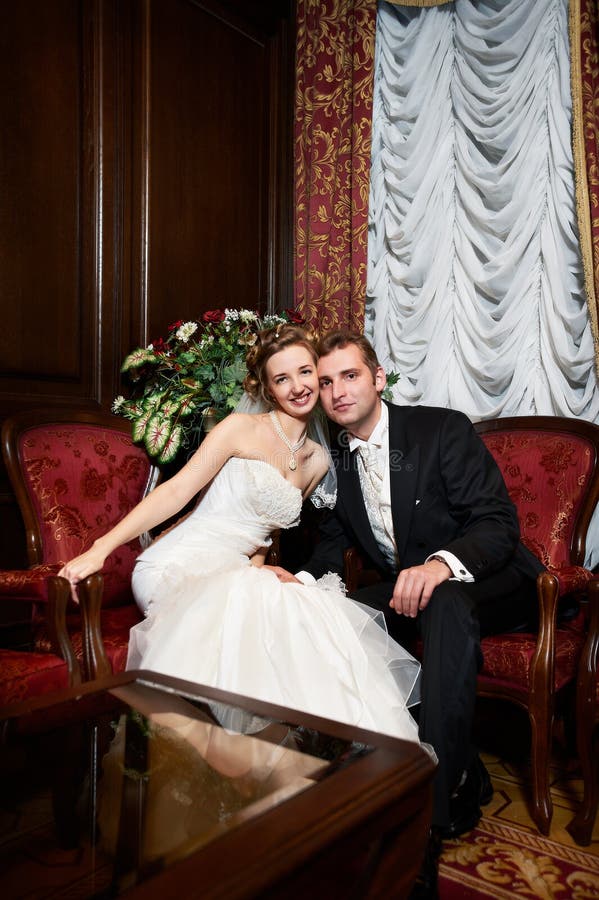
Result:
{"points": [[76, 472], [550, 467], [507, 657], [547, 474], [26, 675], [81, 479]]}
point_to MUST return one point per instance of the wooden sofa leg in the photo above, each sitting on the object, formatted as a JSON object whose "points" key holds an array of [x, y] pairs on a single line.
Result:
{"points": [[542, 805], [581, 826]]}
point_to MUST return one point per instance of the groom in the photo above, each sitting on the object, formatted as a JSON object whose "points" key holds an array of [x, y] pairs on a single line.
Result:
{"points": [[425, 503]]}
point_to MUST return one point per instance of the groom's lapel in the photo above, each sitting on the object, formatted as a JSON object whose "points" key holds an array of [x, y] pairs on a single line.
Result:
{"points": [[403, 466]]}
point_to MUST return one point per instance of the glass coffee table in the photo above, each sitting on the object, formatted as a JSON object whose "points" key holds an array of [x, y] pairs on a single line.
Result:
{"points": [[131, 785]]}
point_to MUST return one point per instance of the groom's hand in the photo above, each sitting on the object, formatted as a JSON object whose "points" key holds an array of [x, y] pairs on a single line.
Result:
{"points": [[415, 585]]}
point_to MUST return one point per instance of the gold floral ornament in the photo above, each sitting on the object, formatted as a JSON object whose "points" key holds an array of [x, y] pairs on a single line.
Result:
{"points": [[200, 367]]}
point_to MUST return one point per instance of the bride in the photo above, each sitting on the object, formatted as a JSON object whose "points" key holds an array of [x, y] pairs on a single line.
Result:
{"points": [[214, 613]]}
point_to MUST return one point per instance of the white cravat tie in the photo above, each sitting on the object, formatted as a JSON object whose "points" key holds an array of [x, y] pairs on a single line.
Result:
{"points": [[371, 462], [379, 514]]}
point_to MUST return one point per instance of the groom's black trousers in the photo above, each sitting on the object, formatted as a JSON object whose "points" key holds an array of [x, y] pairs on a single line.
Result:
{"points": [[451, 627]]}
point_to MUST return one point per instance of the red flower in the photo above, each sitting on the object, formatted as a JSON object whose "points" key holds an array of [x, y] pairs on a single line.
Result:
{"points": [[158, 345], [213, 315], [294, 317], [175, 325]]}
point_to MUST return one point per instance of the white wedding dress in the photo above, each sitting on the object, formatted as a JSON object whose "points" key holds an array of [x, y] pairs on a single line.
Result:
{"points": [[213, 618]]}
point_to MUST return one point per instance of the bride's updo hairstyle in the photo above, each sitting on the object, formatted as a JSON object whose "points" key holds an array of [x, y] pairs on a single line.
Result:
{"points": [[268, 342]]}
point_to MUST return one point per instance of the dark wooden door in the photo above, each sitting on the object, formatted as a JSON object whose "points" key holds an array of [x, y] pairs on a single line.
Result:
{"points": [[145, 176]]}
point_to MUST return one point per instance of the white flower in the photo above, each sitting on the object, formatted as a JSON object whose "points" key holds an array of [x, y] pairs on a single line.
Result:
{"points": [[231, 315], [149, 347], [247, 316], [269, 321], [185, 331], [209, 339], [117, 403]]}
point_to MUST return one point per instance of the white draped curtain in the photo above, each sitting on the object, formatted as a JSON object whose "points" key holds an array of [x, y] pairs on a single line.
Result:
{"points": [[475, 285]]}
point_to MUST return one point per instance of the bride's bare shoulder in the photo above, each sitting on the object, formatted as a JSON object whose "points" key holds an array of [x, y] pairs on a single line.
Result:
{"points": [[243, 422], [247, 422]]}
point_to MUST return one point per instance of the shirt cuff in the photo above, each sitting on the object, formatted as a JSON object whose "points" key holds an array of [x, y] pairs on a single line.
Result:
{"points": [[305, 577], [458, 570]]}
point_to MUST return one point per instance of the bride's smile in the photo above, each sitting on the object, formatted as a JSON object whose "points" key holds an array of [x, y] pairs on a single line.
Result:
{"points": [[292, 381]]}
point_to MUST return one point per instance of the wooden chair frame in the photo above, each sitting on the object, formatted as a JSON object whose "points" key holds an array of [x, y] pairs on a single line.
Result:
{"points": [[587, 722], [12, 429], [539, 701]]}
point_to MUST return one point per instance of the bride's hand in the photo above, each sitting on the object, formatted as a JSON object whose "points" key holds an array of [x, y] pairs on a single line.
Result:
{"points": [[283, 575], [81, 566]]}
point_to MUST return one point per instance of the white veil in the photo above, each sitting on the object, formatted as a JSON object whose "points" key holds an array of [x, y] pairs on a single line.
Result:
{"points": [[325, 493]]}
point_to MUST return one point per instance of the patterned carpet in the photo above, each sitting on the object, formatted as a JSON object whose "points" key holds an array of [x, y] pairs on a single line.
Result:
{"points": [[506, 857]]}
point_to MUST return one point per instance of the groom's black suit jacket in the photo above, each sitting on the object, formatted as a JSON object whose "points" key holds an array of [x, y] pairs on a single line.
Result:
{"points": [[447, 493]]}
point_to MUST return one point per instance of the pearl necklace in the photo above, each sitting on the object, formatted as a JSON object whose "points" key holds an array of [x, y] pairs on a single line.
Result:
{"points": [[293, 448]]}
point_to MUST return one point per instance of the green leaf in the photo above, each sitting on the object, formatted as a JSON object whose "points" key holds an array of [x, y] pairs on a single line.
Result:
{"points": [[172, 445], [138, 358], [139, 426], [204, 373], [235, 372], [217, 393], [131, 409], [188, 405], [235, 397], [157, 433], [152, 402], [392, 378]]}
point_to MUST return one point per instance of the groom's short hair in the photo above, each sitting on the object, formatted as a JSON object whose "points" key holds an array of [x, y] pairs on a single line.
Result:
{"points": [[339, 340]]}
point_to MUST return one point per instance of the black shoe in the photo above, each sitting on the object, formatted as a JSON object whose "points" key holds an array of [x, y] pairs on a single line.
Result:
{"points": [[486, 787], [465, 811], [426, 885]]}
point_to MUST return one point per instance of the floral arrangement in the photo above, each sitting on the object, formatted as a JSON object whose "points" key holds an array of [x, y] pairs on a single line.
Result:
{"points": [[198, 370]]}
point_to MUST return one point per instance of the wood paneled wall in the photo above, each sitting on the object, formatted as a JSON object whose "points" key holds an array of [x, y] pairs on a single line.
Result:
{"points": [[145, 176]]}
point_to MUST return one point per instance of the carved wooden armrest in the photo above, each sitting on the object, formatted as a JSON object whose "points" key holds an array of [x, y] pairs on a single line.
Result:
{"points": [[90, 592], [59, 595], [355, 573], [41, 585]]}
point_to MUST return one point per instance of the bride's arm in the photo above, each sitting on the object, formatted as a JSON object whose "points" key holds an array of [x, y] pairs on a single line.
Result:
{"points": [[259, 557], [167, 499]]}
